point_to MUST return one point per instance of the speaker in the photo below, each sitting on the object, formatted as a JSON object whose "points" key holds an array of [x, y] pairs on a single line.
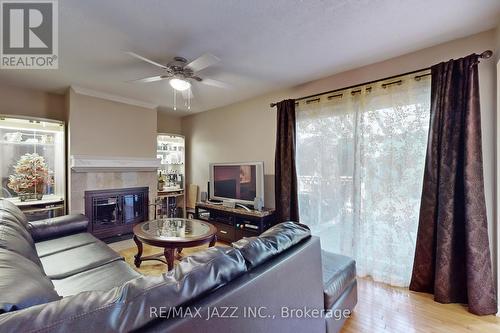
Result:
{"points": [[258, 204], [204, 196]]}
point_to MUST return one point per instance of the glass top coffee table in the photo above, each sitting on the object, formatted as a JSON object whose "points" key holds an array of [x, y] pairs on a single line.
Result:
{"points": [[172, 234]]}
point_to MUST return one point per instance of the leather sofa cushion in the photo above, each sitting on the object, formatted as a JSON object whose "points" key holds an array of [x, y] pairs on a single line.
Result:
{"points": [[105, 277], [22, 283], [9, 216], [12, 239], [7, 206], [271, 242], [127, 308], [339, 272], [62, 264], [14, 235], [58, 226], [51, 246]]}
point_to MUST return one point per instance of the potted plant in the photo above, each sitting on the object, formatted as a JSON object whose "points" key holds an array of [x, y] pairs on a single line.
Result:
{"points": [[31, 174]]}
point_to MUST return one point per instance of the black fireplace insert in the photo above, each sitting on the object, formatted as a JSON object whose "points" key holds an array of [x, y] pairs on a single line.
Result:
{"points": [[114, 212]]}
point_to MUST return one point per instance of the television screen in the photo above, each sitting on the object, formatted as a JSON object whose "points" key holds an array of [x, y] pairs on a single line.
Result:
{"points": [[235, 182]]}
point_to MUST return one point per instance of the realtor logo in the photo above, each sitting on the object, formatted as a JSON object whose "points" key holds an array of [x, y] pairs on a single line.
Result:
{"points": [[29, 33]]}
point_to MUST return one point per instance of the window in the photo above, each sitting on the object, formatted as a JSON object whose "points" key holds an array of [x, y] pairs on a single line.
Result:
{"points": [[360, 162]]}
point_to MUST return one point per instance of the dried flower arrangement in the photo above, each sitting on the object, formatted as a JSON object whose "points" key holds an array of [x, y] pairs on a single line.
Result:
{"points": [[31, 174]]}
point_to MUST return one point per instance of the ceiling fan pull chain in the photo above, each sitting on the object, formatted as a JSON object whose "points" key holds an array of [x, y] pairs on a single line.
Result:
{"points": [[175, 99]]}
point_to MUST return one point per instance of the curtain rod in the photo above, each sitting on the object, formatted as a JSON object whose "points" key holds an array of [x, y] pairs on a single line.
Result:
{"points": [[485, 55]]}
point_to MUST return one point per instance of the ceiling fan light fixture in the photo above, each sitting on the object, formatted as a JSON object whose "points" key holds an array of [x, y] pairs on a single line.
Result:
{"points": [[179, 84]]}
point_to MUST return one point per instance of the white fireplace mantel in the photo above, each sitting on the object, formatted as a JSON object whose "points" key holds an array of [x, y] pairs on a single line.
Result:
{"points": [[80, 163]]}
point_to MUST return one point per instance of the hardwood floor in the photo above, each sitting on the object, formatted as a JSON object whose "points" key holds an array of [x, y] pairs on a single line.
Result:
{"points": [[380, 308]]}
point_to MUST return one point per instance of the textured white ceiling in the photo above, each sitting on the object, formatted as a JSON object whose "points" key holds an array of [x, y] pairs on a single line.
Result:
{"points": [[263, 45]]}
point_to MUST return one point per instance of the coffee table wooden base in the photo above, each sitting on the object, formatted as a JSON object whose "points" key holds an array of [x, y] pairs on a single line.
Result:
{"points": [[168, 253]]}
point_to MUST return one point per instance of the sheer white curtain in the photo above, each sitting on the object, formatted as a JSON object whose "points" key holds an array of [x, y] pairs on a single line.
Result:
{"points": [[360, 161]]}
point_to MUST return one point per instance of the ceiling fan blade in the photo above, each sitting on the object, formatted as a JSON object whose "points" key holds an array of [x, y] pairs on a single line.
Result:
{"points": [[188, 93], [203, 62], [135, 55], [150, 79], [215, 83]]}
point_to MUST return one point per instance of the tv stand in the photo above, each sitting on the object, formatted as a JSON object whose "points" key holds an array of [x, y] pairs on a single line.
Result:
{"points": [[234, 223]]}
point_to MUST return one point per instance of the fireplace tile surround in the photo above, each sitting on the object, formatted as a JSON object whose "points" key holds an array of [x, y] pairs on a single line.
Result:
{"points": [[87, 181]]}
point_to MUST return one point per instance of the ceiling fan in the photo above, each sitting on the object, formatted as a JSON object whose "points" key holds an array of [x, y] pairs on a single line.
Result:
{"points": [[180, 73]]}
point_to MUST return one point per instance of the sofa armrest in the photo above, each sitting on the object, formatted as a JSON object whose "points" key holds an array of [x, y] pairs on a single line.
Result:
{"points": [[58, 226]]}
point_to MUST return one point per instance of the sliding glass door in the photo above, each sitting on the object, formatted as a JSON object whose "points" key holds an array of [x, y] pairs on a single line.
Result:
{"points": [[360, 162]]}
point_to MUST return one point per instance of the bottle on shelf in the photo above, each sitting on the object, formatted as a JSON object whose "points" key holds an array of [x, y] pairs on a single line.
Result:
{"points": [[161, 181]]}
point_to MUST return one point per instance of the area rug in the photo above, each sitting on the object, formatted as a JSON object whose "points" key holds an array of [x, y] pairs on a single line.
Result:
{"points": [[155, 267]]}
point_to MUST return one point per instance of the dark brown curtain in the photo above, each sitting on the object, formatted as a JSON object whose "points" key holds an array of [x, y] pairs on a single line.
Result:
{"points": [[452, 256], [285, 184]]}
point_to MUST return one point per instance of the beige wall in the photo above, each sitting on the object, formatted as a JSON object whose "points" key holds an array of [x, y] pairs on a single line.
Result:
{"points": [[246, 130], [236, 133], [25, 102], [100, 127], [168, 123]]}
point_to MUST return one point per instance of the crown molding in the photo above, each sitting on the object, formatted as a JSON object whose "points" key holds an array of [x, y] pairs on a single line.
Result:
{"points": [[115, 98]]}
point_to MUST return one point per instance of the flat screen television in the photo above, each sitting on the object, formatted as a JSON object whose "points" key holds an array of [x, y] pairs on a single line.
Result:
{"points": [[238, 182]]}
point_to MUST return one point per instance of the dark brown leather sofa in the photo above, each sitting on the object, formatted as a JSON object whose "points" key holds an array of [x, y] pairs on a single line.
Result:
{"points": [[55, 277]]}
